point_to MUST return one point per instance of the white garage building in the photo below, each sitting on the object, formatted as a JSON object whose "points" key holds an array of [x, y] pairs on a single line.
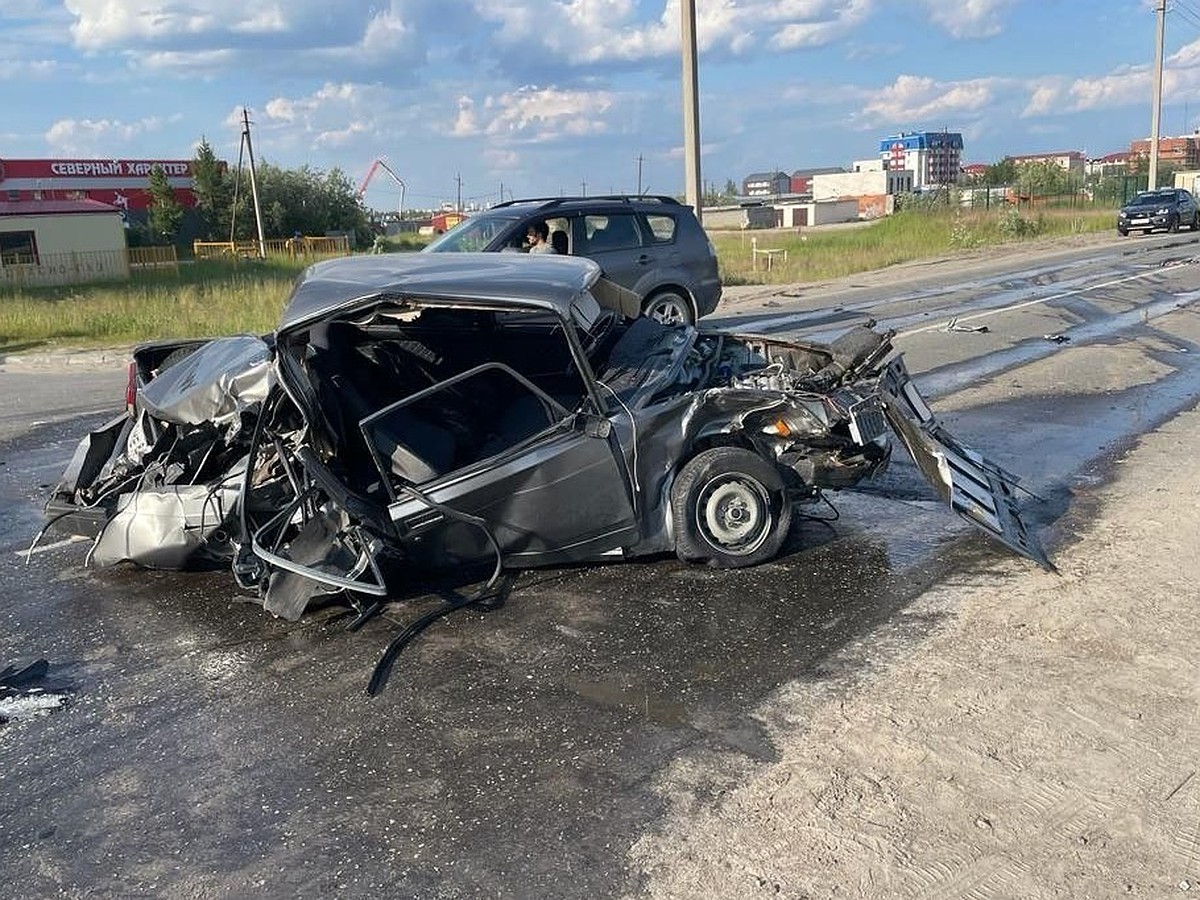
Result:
{"points": [[61, 242]]}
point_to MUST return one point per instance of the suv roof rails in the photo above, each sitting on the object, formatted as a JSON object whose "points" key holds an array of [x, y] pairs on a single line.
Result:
{"points": [[550, 202]]}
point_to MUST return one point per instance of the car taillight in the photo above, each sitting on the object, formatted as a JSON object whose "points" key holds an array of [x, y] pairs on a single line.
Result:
{"points": [[131, 387]]}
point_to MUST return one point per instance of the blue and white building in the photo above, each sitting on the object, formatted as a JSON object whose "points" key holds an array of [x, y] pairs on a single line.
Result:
{"points": [[934, 157]]}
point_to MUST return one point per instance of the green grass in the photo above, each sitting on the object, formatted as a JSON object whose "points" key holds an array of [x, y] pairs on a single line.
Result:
{"points": [[206, 298], [904, 237], [220, 297]]}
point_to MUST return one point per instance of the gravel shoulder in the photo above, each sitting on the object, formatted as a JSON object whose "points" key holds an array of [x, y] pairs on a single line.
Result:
{"points": [[1037, 740]]}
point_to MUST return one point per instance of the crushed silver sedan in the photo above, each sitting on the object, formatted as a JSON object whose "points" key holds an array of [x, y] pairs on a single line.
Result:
{"points": [[430, 410]]}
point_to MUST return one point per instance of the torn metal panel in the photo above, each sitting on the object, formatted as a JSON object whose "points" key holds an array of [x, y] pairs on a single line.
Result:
{"points": [[213, 384], [166, 529], [976, 489]]}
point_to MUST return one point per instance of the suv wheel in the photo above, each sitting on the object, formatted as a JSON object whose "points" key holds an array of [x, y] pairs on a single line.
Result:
{"points": [[1173, 224], [669, 307]]}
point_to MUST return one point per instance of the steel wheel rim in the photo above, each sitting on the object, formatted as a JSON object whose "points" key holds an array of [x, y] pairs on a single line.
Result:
{"points": [[733, 513]]}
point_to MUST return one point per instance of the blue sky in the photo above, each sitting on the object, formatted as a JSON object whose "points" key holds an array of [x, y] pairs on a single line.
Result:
{"points": [[544, 97]]}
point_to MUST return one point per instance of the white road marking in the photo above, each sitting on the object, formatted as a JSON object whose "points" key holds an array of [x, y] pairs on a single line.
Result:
{"points": [[1039, 300]]}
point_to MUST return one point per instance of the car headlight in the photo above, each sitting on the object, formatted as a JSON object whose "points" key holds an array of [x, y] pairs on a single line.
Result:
{"points": [[1162, 211]]}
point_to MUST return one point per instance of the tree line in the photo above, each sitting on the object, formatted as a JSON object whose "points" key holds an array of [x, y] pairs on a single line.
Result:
{"points": [[305, 200]]}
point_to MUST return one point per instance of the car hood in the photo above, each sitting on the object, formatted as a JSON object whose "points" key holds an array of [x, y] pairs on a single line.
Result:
{"points": [[537, 282], [1146, 207]]}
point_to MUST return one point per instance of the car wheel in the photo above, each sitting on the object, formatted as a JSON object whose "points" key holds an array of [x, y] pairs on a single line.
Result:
{"points": [[1173, 224], [1123, 232], [174, 358], [670, 308], [729, 509], [1196, 220]]}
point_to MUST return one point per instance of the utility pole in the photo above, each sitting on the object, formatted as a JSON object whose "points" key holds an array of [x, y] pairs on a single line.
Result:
{"points": [[583, 188], [639, 162], [458, 195], [691, 107], [1157, 108], [253, 181]]}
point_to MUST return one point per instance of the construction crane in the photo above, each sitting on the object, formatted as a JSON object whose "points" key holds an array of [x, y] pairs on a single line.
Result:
{"points": [[381, 163]]}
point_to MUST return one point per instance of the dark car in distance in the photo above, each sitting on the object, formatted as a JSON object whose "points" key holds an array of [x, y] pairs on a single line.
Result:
{"points": [[1165, 208], [651, 245]]}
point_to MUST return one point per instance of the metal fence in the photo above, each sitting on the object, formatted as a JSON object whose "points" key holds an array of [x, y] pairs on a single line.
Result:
{"points": [[289, 248], [79, 267]]}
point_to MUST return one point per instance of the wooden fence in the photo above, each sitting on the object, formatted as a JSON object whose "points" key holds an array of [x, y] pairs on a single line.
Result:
{"points": [[153, 259]]}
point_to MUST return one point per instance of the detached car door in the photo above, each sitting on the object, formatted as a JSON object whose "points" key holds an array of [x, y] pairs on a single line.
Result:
{"points": [[491, 456]]}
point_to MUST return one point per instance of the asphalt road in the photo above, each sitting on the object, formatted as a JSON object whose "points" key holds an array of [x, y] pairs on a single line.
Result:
{"points": [[209, 750]]}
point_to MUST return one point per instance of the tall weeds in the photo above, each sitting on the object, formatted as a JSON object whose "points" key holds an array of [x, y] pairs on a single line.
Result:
{"points": [[908, 235]]}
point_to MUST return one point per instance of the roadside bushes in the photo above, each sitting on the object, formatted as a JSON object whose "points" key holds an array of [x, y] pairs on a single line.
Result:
{"points": [[1014, 226]]}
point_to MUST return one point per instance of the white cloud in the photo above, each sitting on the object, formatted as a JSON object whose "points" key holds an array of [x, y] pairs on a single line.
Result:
{"points": [[1118, 89], [385, 33], [100, 137], [187, 33], [341, 137], [1045, 99], [1186, 56], [331, 103], [817, 24], [28, 70], [466, 123], [579, 32], [116, 23], [207, 61], [538, 115], [968, 18], [917, 100]]}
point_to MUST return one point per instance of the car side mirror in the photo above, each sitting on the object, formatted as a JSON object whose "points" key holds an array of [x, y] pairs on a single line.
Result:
{"points": [[592, 425]]}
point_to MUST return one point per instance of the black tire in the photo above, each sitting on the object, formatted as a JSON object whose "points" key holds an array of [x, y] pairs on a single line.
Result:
{"points": [[669, 307], [1196, 220], [1173, 224], [176, 356], [1123, 232], [729, 509]]}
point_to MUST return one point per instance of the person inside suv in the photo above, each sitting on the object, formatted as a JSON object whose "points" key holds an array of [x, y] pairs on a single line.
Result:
{"points": [[537, 238]]}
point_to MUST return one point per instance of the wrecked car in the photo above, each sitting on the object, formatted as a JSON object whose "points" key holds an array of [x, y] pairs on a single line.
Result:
{"points": [[431, 410]]}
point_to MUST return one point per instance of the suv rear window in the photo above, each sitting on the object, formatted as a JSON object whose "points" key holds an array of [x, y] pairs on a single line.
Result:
{"points": [[662, 228], [611, 231]]}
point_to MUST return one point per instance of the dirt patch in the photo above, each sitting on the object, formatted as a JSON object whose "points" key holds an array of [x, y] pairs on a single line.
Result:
{"points": [[1038, 741]]}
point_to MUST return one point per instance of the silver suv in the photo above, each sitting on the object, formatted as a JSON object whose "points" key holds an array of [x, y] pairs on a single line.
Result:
{"points": [[649, 244]]}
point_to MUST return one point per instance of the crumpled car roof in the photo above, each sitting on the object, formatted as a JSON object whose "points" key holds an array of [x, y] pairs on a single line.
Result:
{"points": [[535, 281]]}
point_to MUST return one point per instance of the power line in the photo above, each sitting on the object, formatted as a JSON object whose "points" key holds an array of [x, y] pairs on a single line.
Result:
{"points": [[1187, 12]]}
